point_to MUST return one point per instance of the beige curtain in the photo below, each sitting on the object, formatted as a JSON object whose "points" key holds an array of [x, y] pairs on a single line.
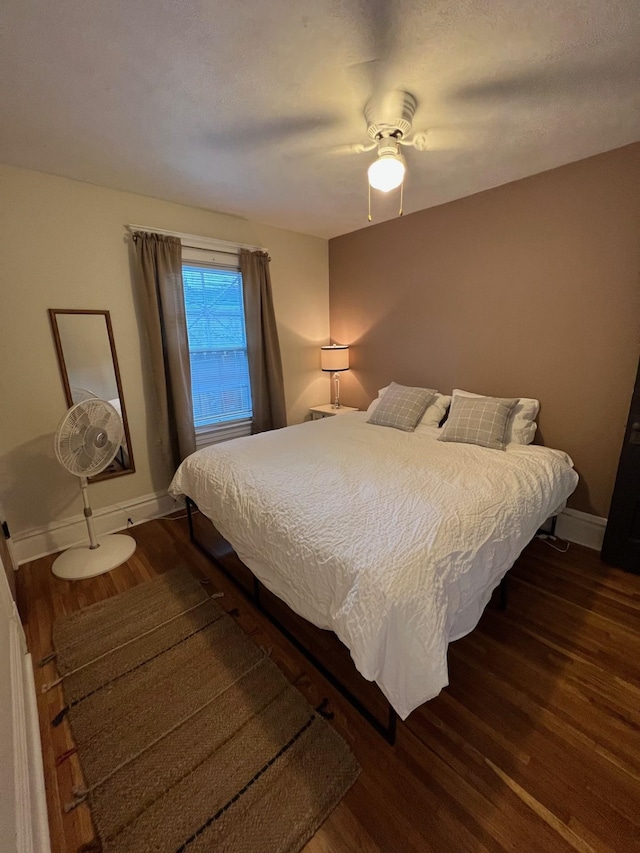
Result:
{"points": [[263, 349], [158, 266]]}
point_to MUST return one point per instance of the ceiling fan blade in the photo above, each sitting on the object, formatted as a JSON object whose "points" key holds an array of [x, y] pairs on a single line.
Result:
{"points": [[250, 134], [458, 136], [376, 21], [440, 139], [556, 80], [347, 149]]}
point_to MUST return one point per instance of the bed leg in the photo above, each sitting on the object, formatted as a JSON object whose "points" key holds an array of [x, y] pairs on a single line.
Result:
{"points": [[390, 735], [504, 593], [190, 519]]}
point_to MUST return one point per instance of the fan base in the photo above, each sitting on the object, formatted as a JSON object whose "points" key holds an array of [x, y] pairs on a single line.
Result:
{"points": [[83, 562]]}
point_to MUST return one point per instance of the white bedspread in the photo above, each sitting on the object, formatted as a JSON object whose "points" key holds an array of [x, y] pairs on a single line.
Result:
{"points": [[393, 540]]}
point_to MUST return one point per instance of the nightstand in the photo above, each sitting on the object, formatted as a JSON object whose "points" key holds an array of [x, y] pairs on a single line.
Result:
{"points": [[328, 411]]}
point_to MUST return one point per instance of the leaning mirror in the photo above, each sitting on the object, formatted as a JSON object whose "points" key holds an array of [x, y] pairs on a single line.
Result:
{"points": [[89, 368]]}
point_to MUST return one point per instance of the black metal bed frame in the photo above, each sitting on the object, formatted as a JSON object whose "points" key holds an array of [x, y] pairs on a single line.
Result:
{"points": [[387, 731]]}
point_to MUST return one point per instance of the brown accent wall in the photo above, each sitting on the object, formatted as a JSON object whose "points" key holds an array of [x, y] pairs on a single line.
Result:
{"points": [[531, 289]]}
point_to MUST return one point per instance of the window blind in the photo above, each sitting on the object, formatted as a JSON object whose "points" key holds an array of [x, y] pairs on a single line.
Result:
{"points": [[217, 345]]}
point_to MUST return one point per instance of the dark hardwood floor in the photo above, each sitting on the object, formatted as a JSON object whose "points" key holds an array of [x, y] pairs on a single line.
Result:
{"points": [[534, 746]]}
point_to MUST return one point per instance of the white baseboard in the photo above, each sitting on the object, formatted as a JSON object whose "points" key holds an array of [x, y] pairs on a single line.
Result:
{"points": [[39, 541], [581, 528], [30, 806], [38, 819]]}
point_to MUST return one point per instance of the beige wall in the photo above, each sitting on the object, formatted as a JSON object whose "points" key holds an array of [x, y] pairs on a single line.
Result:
{"points": [[531, 289], [63, 246]]}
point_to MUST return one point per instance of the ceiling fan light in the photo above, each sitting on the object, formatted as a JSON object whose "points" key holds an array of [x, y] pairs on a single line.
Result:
{"points": [[386, 173]]}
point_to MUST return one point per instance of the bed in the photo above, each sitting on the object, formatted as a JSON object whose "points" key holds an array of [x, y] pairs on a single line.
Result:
{"points": [[393, 540]]}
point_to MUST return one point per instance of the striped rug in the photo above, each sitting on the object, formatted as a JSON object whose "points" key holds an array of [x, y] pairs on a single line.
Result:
{"points": [[190, 738]]}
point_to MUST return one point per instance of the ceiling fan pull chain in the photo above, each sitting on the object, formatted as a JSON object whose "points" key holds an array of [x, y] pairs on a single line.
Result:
{"points": [[369, 215], [401, 199]]}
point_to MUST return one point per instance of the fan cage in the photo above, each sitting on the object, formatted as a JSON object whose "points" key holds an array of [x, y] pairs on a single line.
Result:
{"points": [[88, 437]]}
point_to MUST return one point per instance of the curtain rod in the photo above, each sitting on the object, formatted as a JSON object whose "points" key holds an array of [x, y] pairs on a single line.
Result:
{"points": [[193, 241]]}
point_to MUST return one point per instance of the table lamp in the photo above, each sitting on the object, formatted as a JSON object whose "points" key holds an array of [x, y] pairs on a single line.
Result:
{"points": [[334, 359]]}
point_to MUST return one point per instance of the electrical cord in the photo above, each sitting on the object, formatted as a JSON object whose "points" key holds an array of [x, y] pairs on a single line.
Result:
{"points": [[178, 517], [132, 523], [549, 539]]}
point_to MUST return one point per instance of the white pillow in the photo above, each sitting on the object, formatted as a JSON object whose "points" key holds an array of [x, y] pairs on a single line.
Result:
{"points": [[436, 410], [522, 425], [374, 403]]}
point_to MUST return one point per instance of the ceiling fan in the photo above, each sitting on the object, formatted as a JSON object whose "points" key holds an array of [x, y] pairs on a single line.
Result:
{"points": [[389, 124], [389, 119], [388, 112]]}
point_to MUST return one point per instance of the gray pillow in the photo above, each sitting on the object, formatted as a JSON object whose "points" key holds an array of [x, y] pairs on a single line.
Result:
{"points": [[401, 407], [479, 420]]}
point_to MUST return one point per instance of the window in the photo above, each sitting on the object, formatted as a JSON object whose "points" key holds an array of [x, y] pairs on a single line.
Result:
{"points": [[218, 351]]}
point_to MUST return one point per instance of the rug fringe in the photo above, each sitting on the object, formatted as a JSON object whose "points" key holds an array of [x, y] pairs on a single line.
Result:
{"points": [[59, 717], [62, 758], [78, 799], [322, 710]]}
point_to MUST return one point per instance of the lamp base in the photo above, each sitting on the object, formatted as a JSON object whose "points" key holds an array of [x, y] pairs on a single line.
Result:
{"points": [[336, 382]]}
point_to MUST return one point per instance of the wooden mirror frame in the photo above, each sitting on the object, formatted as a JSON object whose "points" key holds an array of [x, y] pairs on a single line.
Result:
{"points": [[53, 314]]}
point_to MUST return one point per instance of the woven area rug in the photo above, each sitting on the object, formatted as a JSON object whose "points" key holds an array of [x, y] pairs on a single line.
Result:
{"points": [[190, 738]]}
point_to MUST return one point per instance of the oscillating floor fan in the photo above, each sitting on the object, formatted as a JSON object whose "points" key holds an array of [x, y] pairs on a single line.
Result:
{"points": [[86, 442]]}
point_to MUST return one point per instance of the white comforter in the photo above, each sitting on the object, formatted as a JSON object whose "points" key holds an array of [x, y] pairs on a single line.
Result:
{"points": [[393, 540]]}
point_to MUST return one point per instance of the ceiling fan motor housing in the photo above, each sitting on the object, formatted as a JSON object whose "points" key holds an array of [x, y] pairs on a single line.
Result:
{"points": [[390, 116]]}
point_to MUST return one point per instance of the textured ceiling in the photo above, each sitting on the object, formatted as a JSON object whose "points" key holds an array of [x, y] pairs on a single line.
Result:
{"points": [[234, 106]]}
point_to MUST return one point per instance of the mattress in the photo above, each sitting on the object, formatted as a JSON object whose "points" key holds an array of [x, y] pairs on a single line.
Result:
{"points": [[392, 540]]}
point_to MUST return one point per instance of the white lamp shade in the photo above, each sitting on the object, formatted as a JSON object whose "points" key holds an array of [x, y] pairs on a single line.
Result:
{"points": [[386, 173], [334, 358]]}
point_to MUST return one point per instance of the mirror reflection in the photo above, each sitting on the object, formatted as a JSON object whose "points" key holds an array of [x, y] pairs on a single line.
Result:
{"points": [[89, 369]]}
